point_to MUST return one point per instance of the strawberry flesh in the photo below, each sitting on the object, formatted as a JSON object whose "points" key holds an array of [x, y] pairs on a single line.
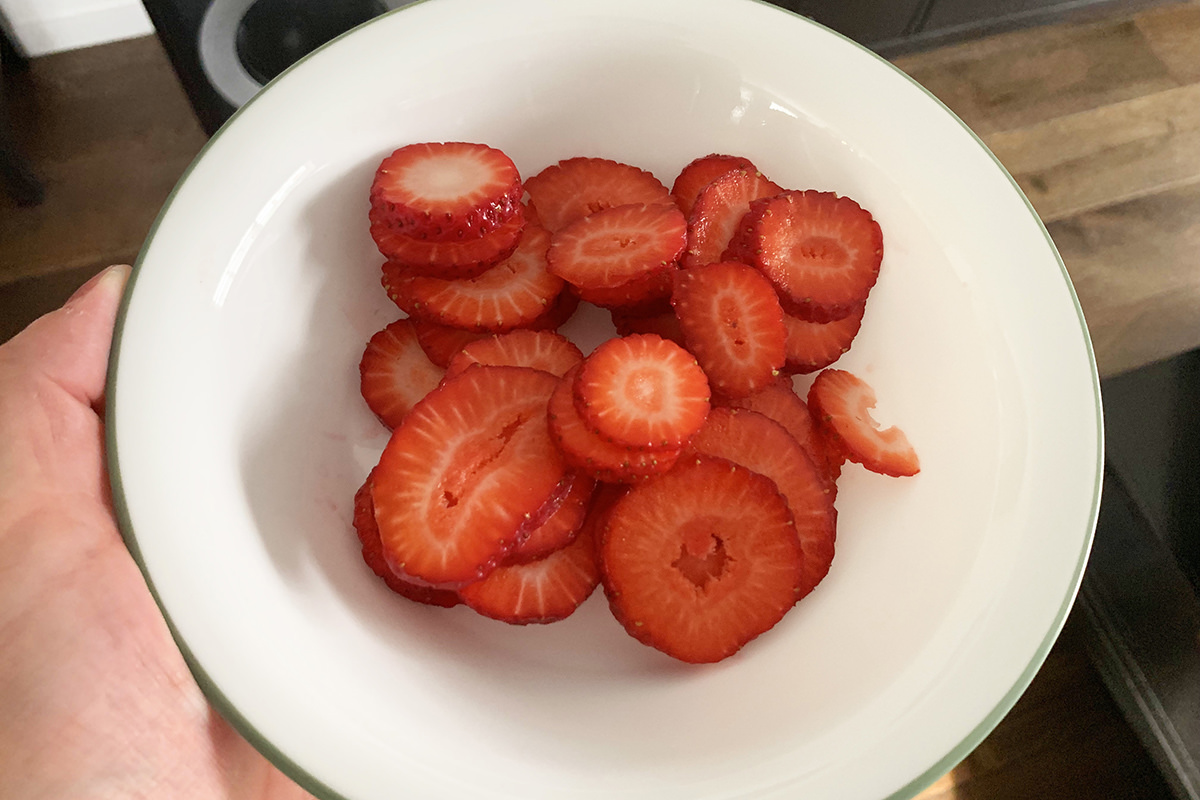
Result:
{"points": [[763, 446], [448, 260], [616, 245], [701, 560], [372, 552], [560, 527], [732, 323], [700, 173], [821, 251], [394, 372], [815, 345], [718, 211], [642, 391], [446, 191], [841, 404], [545, 350], [542, 591], [576, 187], [442, 342], [464, 470]]}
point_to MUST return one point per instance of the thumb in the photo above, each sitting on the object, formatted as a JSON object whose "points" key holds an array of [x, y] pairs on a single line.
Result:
{"points": [[70, 346]]}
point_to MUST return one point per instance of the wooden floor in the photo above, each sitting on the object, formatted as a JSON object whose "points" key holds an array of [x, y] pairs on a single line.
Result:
{"points": [[1098, 121]]}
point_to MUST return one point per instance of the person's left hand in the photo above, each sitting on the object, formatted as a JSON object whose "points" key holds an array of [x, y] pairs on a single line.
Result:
{"points": [[95, 698]]}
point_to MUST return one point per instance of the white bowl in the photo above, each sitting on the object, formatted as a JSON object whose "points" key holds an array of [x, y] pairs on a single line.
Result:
{"points": [[238, 437]]}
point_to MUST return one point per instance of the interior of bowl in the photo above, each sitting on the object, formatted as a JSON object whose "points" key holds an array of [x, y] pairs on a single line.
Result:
{"points": [[238, 436]]}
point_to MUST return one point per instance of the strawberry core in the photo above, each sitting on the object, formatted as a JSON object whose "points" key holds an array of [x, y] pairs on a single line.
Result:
{"points": [[702, 555], [820, 250], [644, 387]]}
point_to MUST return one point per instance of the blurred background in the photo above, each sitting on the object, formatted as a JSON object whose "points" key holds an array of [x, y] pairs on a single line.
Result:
{"points": [[1092, 105]]}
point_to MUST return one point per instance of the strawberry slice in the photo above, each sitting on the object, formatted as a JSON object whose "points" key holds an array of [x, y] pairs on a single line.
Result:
{"points": [[660, 323], [701, 560], [764, 446], [821, 251], [616, 245], [462, 473], [442, 342], [700, 173], [542, 591], [718, 210], [841, 404], [779, 402], [560, 527], [642, 391], [455, 260], [395, 373], [576, 187], [556, 314], [545, 350], [732, 322], [372, 552], [815, 345], [587, 451], [510, 295], [644, 294], [446, 191]]}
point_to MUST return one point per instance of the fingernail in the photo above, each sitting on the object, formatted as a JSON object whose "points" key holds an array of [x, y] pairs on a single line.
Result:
{"points": [[111, 278]]}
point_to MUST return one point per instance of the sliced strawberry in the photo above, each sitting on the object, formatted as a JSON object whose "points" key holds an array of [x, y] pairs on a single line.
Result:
{"points": [[778, 401], [442, 342], [841, 404], [560, 528], [604, 498], [372, 551], [821, 251], [510, 295], [701, 560], [732, 323], [662, 323], [587, 451], [815, 345], [541, 591], [642, 391], [556, 314], [449, 260], [576, 187], [463, 471], [395, 373], [446, 191], [644, 293], [764, 446], [700, 173], [616, 245], [545, 350], [718, 210]]}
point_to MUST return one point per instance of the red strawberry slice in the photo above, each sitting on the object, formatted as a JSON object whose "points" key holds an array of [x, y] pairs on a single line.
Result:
{"points": [[821, 251], [395, 373], [779, 402], [556, 314], [701, 560], [616, 245], [700, 173], [446, 191], [372, 552], [661, 323], [645, 293], [718, 210], [545, 350], [587, 451], [732, 322], [510, 295], [561, 527], [642, 391], [764, 446], [815, 345], [576, 187], [841, 404], [462, 473], [455, 260], [442, 342], [542, 591]]}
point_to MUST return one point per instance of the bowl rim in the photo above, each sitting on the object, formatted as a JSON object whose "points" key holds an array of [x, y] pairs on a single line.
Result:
{"points": [[229, 711]]}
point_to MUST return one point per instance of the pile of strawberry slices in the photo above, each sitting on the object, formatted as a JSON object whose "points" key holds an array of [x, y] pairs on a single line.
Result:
{"points": [[674, 465]]}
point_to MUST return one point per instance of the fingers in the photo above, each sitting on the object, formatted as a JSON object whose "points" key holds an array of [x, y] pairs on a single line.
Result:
{"points": [[70, 346]]}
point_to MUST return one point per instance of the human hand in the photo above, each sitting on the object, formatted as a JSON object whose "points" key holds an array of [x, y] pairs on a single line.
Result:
{"points": [[95, 698]]}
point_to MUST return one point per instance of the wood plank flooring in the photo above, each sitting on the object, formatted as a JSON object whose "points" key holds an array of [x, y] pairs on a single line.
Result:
{"points": [[1098, 121]]}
